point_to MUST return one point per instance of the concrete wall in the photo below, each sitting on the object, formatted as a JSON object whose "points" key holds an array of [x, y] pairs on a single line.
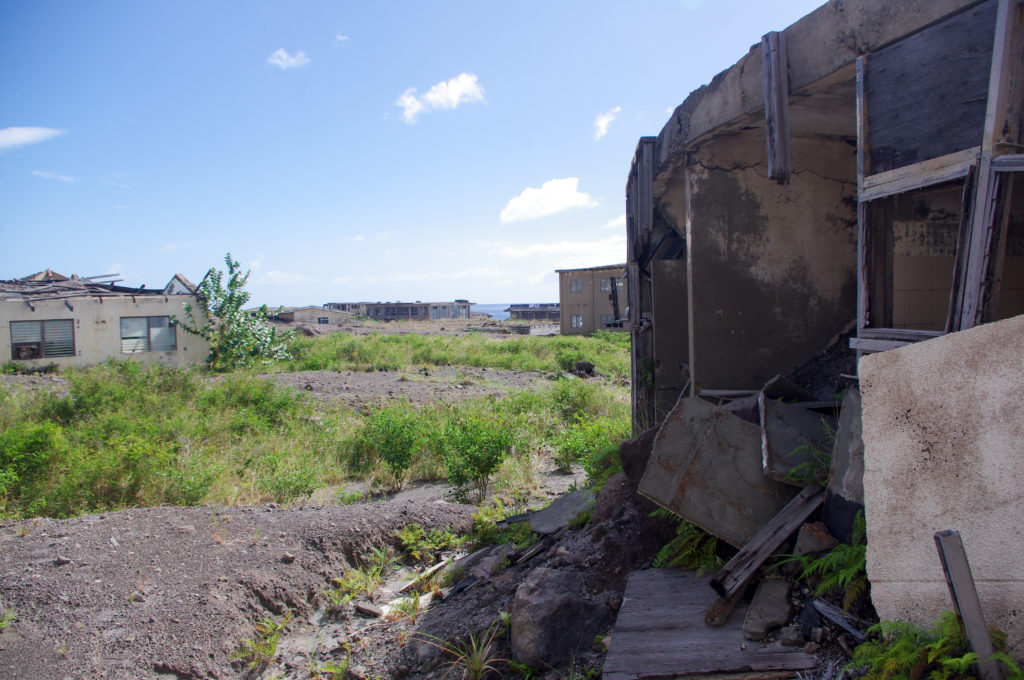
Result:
{"points": [[943, 427], [98, 328], [591, 302], [772, 268], [310, 316]]}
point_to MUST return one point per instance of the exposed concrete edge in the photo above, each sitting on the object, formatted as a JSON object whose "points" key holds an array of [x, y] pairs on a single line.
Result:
{"points": [[819, 44]]}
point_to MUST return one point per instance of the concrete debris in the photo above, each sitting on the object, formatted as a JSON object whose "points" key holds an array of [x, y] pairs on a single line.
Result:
{"points": [[706, 467], [557, 515], [793, 437], [769, 609], [814, 538], [846, 474]]}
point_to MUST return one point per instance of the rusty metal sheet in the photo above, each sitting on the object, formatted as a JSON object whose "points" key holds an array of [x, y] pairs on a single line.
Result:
{"points": [[706, 467]]}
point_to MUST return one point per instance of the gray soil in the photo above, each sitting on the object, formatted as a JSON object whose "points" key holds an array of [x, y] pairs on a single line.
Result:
{"points": [[171, 592]]}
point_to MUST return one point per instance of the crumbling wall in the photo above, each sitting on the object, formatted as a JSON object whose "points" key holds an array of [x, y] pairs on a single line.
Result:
{"points": [[772, 268], [943, 427]]}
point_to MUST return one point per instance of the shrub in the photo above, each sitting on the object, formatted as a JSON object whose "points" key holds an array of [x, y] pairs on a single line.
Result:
{"points": [[392, 435], [474, 447]]}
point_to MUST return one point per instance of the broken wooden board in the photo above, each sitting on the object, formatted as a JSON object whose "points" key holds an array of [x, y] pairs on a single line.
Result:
{"points": [[728, 581], [660, 633], [706, 467], [792, 436]]}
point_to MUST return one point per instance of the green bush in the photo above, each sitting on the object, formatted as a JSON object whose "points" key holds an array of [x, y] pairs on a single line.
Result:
{"points": [[585, 436], [474, 447], [393, 435]]}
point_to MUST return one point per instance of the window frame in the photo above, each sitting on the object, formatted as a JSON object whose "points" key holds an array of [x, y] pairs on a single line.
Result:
{"points": [[576, 286], [576, 321], [41, 343], [150, 327]]}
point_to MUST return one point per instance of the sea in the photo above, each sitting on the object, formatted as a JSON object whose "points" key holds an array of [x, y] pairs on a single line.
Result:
{"points": [[497, 311]]}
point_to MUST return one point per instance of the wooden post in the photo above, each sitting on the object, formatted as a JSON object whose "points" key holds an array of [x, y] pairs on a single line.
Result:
{"points": [[966, 602], [776, 105]]}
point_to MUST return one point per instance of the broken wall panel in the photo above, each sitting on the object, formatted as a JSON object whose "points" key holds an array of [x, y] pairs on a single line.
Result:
{"points": [[705, 466], [671, 348], [772, 270], [793, 440], [943, 429], [926, 94]]}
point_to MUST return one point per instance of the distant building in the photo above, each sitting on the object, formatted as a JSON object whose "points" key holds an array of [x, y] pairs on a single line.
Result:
{"points": [[545, 311], [406, 311], [71, 321], [592, 299], [313, 315]]}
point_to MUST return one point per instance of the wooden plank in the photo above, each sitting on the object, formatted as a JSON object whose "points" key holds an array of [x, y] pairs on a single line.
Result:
{"points": [[734, 575], [675, 643], [918, 175], [907, 334], [840, 618], [1000, 121], [775, 66], [1011, 162], [963, 239], [966, 602], [927, 91], [872, 345]]}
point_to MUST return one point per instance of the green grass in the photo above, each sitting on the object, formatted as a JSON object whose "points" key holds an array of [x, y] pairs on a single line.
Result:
{"points": [[131, 436], [346, 352]]}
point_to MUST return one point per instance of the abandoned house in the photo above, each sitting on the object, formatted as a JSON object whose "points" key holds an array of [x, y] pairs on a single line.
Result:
{"points": [[850, 189], [70, 321], [313, 315], [544, 311], [406, 311], [592, 299]]}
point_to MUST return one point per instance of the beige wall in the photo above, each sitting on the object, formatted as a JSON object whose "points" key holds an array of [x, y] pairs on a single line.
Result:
{"points": [[944, 449], [98, 328], [310, 316], [591, 302]]}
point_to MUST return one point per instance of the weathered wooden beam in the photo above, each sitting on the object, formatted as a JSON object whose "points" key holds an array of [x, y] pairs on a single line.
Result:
{"points": [[839, 618], [1012, 162], [873, 345], [737, 571], [918, 175], [966, 602], [776, 105]]}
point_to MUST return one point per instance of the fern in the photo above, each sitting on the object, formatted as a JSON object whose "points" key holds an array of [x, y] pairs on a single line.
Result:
{"points": [[842, 569], [907, 652], [692, 547]]}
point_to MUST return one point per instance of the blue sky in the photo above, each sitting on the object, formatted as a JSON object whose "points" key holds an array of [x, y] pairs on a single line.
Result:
{"points": [[342, 150]]}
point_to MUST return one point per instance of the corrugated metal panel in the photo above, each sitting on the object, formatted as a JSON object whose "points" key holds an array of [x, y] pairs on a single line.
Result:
{"points": [[59, 338], [26, 331]]}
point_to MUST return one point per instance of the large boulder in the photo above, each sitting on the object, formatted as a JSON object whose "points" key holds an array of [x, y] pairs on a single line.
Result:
{"points": [[552, 619]]}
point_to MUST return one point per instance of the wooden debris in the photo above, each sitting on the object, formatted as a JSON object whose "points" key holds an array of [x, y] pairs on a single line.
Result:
{"points": [[966, 602], [734, 575], [660, 633], [840, 618]]}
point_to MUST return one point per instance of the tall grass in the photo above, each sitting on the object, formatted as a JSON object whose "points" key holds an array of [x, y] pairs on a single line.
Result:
{"points": [[343, 351], [126, 435]]}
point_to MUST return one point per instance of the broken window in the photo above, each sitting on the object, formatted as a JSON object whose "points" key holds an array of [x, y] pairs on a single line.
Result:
{"points": [[147, 334], [42, 339], [607, 320], [577, 321], [322, 320], [575, 285]]}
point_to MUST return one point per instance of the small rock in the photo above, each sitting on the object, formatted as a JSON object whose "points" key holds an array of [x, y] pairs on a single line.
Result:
{"points": [[812, 647], [769, 609], [136, 596], [357, 671], [288, 558], [791, 636], [369, 610], [187, 529], [113, 542], [814, 538], [61, 560], [816, 634]]}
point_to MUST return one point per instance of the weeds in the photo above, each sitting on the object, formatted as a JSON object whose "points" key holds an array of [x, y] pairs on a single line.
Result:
{"points": [[842, 569], [362, 581], [424, 546], [475, 658], [819, 459], [8, 616], [905, 651], [260, 650], [692, 547]]}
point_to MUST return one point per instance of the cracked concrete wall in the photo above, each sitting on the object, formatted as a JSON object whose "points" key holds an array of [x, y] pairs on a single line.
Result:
{"points": [[773, 268], [943, 426]]}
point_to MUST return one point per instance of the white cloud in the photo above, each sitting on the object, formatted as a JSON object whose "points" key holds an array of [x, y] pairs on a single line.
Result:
{"points": [[339, 38], [279, 278], [553, 197], [255, 264], [287, 61], [49, 174], [13, 137], [472, 273], [618, 223], [613, 246], [603, 120], [448, 94]]}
